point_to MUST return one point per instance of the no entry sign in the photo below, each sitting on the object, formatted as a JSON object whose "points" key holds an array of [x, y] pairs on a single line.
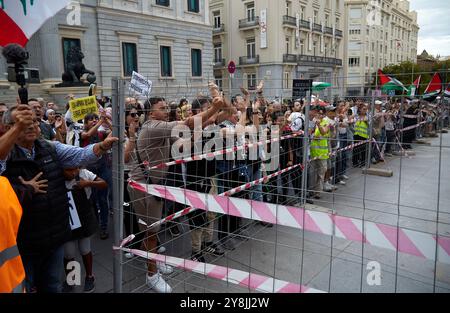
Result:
{"points": [[231, 67]]}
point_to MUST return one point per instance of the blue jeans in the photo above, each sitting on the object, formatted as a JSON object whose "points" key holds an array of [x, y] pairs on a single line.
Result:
{"points": [[256, 190], [343, 156], [43, 271], [102, 197]]}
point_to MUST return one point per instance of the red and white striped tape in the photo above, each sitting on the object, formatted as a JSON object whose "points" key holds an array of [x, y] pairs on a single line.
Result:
{"points": [[411, 127], [349, 147], [238, 189], [227, 193], [221, 152], [244, 279], [380, 235]]}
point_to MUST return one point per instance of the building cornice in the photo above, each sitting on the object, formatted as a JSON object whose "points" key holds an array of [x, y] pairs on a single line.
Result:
{"points": [[127, 34], [73, 28], [145, 16]]}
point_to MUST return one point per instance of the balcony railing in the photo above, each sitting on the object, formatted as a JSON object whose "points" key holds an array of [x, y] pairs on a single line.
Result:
{"points": [[293, 58], [219, 63], [292, 21], [304, 24], [338, 33], [245, 60], [289, 58], [248, 23], [328, 30], [289, 20], [218, 30], [316, 59], [317, 27]]}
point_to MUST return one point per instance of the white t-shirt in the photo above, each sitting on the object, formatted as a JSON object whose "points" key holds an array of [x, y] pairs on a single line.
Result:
{"points": [[342, 130], [85, 175], [296, 119]]}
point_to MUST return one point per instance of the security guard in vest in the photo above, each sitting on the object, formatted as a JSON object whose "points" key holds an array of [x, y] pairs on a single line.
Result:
{"points": [[319, 149], [12, 273], [361, 134]]}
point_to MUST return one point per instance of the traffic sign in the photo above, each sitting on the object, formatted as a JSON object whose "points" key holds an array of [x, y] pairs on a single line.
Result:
{"points": [[231, 67]]}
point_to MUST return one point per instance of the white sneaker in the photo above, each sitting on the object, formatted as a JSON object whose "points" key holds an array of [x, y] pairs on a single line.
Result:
{"points": [[327, 187], [129, 255], [334, 187], [164, 268], [345, 177], [343, 183], [161, 249], [158, 284]]}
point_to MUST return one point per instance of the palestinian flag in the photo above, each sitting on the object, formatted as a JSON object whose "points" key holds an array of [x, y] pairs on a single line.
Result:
{"points": [[389, 83], [19, 20], [447, 91], [434, 88], [413, 90], [318, 86]]}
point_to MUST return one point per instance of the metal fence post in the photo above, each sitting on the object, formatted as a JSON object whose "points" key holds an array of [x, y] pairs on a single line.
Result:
{"points": [[118, 120]]}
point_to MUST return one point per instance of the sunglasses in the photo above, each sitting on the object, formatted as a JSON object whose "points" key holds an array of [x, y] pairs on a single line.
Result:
{"points": [[133, 115]]}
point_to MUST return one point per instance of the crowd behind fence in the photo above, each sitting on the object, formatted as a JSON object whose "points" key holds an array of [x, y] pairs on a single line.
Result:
{"points": [[193, 181]]}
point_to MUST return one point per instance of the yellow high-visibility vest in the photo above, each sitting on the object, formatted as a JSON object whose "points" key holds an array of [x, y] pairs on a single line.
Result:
{"points": [[362, 129], [319, 145]]}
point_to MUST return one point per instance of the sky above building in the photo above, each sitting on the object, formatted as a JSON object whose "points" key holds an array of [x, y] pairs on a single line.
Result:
{"points": [[434, 34]]}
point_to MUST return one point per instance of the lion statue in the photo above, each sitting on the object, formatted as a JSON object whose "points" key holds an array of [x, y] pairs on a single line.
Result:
{"points": [[75, 67]]}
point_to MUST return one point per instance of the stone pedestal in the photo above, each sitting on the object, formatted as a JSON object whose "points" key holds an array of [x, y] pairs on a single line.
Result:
{"points": [[59, 94]]}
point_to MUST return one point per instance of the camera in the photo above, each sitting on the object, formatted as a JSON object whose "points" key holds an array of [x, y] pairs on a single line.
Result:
{"points": [[31, 75]]}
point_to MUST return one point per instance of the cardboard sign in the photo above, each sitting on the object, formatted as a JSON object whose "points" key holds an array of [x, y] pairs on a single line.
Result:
{"points": [[82, 107], [139, 84], [74, 219]]}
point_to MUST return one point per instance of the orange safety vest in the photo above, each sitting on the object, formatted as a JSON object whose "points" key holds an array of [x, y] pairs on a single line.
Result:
{"points": [[12, 274]]}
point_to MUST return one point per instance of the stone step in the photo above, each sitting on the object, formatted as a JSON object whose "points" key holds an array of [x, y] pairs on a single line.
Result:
{"points": [[378, 172], [422, 142]]}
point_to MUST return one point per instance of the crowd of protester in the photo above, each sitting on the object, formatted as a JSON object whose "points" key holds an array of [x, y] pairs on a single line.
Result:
{"points": [[45, 153]]}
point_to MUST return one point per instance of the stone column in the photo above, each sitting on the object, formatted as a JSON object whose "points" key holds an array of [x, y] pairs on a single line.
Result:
{"points": [[51, 54]]}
